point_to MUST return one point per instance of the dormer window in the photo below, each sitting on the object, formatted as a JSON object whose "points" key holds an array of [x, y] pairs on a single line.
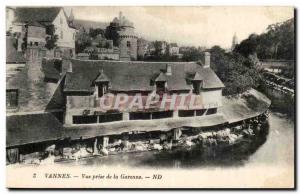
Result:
{"points": [[196, 82], [160, 86], [101, 84], [160, 82], [196, 87]]}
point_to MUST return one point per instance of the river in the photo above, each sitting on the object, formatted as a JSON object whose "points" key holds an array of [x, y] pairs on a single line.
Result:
{"points": [[277, 149], [267, 164]]}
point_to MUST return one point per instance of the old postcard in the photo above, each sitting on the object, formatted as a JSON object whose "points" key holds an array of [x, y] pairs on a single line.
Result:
{"points": [[150, 97]]}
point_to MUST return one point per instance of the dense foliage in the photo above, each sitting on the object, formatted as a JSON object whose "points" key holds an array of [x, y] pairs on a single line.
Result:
{"points": [[83, 40], [276, 43], [192, 54], [51, 37], [237, 72]]}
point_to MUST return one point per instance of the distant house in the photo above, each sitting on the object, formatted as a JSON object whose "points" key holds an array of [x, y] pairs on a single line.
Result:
{"points": [[37, 23], [173, 49], [142, 47], [161, 47], [36, 34]]}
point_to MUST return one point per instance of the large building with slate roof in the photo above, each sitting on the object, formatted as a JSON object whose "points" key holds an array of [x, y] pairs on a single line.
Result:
{"points": [[34, 25], [87, 82], [66, 101]]}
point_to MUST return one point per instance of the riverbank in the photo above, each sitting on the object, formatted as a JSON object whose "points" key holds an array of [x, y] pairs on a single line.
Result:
{"points": [[218, 138], [238, 116]]}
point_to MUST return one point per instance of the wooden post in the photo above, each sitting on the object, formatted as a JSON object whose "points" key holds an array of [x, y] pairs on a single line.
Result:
{"points": [[105, 142], [96, 151], [125, 116], [176, 133]]}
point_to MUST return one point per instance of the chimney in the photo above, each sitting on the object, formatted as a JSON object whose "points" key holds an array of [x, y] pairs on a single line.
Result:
{"points": [[207, 60], [70, 70], [169, 69]]}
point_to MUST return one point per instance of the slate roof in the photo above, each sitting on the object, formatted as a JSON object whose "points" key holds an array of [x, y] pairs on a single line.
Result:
{"points": [[12, 55], [136, 76], [101, 77], [50, 69], [31, 128], [41, 14], [197, 77], [161, 77]]}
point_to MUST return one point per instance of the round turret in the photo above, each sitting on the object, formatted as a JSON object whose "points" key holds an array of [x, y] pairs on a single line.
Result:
{"points": [[127, 39]]}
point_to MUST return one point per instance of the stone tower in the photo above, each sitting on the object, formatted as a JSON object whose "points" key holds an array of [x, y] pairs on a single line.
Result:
{"points": [[127, 39]]}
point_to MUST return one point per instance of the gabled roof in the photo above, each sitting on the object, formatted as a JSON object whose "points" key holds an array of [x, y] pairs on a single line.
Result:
{"points": [[41, 14], [136, 76], [101, 77], [161, 77], [197, 77], [31, 128]]}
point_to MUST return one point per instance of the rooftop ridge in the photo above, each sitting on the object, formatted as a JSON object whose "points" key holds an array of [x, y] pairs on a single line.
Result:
{"points": [[160, 62]]}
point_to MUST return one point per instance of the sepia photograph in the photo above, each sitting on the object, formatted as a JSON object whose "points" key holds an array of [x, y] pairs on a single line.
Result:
{"points": [[168, 97]]}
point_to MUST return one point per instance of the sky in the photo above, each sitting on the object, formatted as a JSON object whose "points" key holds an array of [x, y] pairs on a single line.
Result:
{"points": [[191, 26]]}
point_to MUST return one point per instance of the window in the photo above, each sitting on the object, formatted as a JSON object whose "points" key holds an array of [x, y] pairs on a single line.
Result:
{"points": [[73, 36], [102, 89], [211, 111], [84, 119], [186, 113], [160, 86], [196, 87], [200, 112], [139, 116], [61, 21], [61, 34], [12, 98], [128, 44], [36, 44], [162, 114], [110, 117]]}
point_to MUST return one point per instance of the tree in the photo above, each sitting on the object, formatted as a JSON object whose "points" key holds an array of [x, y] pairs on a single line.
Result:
{"points": [[192, 54], [51, 37], [111, 33], [93, 33], [237, 72], [248, 46], [83, 40], [276, 43]]}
